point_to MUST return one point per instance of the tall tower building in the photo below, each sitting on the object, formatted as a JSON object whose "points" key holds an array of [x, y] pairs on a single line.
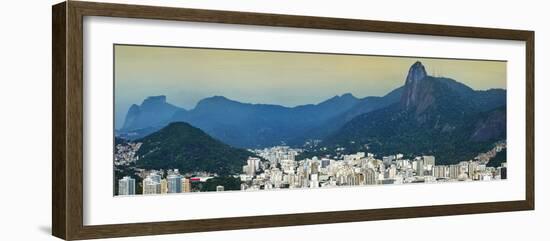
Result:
{"points": [[454, 171], [253, 165], [174, 182], [392, 171], [127, 186], [163, 186], [186, 185], [503, 174], [420, 167], [314, 167], [370, 177], [472, 170], [441, 171], [150, 186], [429, 160]]}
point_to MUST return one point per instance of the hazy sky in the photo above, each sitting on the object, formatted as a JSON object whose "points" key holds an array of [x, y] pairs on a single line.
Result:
{"points": [[187, 75]]}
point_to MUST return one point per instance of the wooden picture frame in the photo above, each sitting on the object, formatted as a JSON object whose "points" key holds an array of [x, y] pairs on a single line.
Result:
{"points": [[67, 124]]}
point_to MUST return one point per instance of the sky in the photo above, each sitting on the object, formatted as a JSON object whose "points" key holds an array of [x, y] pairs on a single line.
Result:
{"points": [[187, 75]]}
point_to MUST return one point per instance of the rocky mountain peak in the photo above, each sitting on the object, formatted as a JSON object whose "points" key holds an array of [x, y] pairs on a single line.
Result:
{"points": [[417, 72], [154, 100], [417, 92]]}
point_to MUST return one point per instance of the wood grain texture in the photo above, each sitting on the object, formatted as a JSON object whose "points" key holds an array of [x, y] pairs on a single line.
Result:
{"points": [[59, 192], [530, 120], [279, 20], [67, 138], [122, 230], [74, 120]]}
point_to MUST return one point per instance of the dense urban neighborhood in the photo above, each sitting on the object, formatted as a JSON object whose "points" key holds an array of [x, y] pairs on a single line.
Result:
{"points": [[277, 168]]}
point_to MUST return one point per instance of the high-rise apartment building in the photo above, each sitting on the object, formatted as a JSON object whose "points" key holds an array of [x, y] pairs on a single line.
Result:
{"points": [[127, 186]]}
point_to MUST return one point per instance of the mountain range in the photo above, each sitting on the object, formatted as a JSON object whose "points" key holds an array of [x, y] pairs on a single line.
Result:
{"points": [[248, 125], [427, 115]]}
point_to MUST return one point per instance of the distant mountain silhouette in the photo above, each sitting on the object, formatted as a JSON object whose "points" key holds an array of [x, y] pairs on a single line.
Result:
{"points": [[154, 111], [253, 125], [330, 125], [259, 125]]}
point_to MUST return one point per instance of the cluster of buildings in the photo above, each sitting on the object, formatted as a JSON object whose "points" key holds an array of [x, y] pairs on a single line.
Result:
{"points": [[125, 154], [486, 156], [155, 183], [277, 167], [281, 170]]}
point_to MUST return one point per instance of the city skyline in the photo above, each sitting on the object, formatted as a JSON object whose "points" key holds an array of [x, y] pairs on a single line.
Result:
{"points": [[187, 75]]}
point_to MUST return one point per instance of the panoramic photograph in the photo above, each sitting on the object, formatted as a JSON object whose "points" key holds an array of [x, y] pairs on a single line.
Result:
{"points": [[191, 120]]}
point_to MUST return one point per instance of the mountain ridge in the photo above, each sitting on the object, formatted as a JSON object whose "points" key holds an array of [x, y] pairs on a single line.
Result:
{"points": [[435, 116], [218, 116]]}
